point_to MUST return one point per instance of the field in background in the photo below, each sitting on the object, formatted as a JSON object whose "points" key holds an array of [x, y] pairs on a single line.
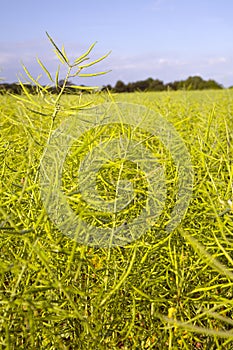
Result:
{"points": [[164, 291]]}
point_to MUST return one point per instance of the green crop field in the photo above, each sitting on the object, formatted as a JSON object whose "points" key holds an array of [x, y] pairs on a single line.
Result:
{"points": [[165, 289]]}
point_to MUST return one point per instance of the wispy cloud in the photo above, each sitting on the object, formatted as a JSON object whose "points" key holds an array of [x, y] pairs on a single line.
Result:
{"points": [[216, 60], [157, 5], [13, 55], [5, 58], [167, 67], [171, 68]]}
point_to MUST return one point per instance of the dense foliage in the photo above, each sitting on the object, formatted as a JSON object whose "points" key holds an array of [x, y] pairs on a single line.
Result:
{"points": [[150, 84], [164, 291]]}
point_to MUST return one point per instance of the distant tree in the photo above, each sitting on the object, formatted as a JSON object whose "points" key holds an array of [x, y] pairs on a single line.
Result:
{"points": [[194, 83], [191, 83], [61, 82], [212, 84], [130, 87], [107, 87], [156, 85], [173, 85], [142, 85], [120, 86], [149, 84]]}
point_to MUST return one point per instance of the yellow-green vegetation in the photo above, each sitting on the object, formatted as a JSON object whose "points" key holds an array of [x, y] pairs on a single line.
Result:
{"points": [[163, 291]]}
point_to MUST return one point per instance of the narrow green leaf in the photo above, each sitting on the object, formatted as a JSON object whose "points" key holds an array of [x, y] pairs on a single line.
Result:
{"points": [[57, 50], [83, 57], [37, 112], [76, 64], [75, 74], [140, 292], [83, 75], [121, 279], [200, 330], [59, 57], [64, 53], [227, 255], [45, 70], [38, 289], [212, 287], [33, 80], [79, 87], [207, 257], [24, 100], [25, 91], [57, 76], [96, 61], [80, 106]]}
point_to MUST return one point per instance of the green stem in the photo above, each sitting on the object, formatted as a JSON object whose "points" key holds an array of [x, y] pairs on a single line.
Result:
{"points": [[56, 104]]}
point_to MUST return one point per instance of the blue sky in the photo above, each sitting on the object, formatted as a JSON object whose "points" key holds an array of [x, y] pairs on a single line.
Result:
{"points": [[165, 39]]}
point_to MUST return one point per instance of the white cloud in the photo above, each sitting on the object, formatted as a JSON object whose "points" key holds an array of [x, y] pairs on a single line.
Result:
{"points": [[5, 58], [217, 60], [167, 67], [158, 5], [12, 55]]}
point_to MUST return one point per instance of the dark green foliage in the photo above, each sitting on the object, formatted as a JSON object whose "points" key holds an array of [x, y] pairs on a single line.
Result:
{"points": [[150, 84]]}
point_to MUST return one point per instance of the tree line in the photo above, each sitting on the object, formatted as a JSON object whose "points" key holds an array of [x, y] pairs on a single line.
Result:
{"points": [[150, 84]]}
